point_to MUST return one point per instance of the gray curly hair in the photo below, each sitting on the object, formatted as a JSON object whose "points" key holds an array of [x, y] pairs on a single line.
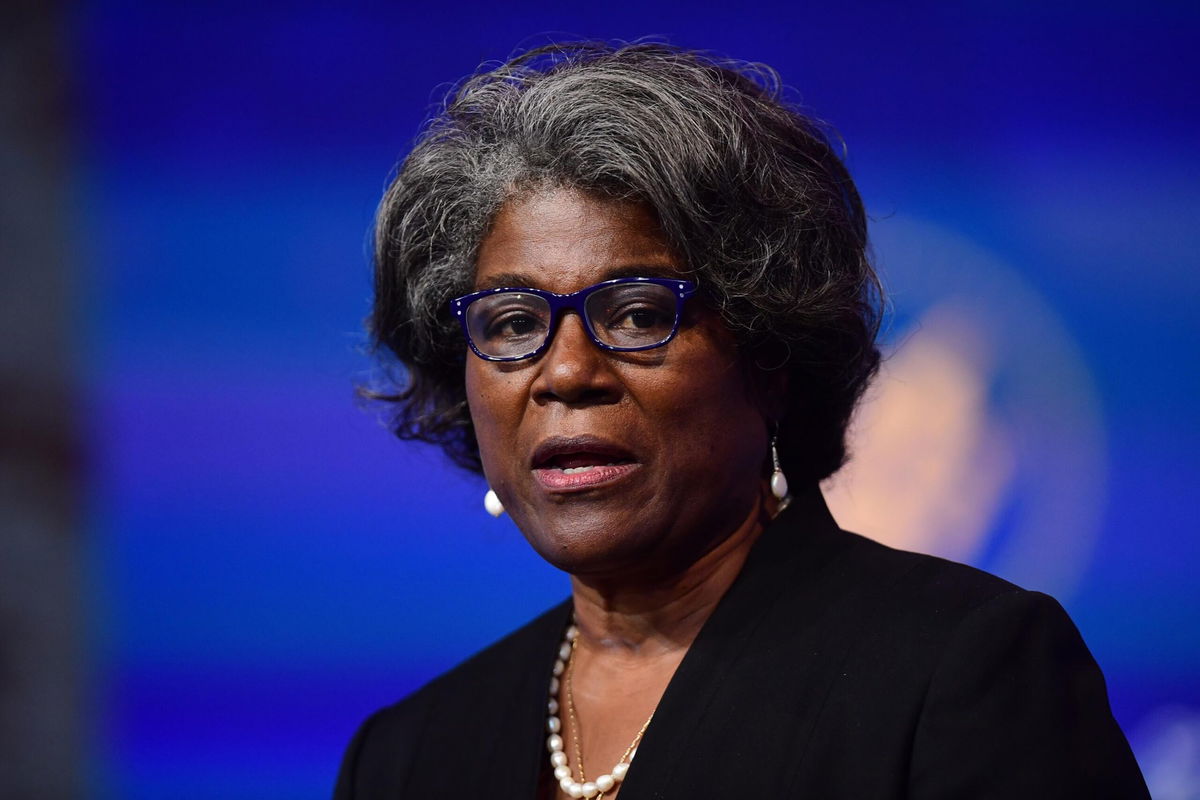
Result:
{"points": [[746, 188]]}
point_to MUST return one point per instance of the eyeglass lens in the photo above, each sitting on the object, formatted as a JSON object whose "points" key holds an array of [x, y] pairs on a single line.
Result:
{"points": [[624, 315]]}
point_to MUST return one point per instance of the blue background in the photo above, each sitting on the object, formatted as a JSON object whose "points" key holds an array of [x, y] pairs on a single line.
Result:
{"points": [[267, 565]]}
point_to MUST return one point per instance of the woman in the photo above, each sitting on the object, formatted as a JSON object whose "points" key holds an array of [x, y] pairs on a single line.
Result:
{"points": [[629, 285]]}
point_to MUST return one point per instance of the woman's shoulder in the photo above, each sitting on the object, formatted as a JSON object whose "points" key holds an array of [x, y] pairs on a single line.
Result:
{"points": [[924, 579], [475, 700], [816, 567], [492, 667], [957, 683], [1003, 678], [820, 587], [930, 600]]}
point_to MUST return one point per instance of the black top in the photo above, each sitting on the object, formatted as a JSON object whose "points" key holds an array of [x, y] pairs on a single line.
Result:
{"points": [[834, 667]]}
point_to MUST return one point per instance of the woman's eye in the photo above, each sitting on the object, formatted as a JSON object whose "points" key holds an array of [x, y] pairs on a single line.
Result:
{"points": [[640, 318], [644, 319], [514, 325], [520, 325]]}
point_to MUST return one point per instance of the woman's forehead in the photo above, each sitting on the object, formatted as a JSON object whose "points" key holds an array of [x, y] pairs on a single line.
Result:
{"points": [[564, 239]]}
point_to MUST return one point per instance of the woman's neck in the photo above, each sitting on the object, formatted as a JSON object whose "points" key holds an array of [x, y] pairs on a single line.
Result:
{"points": [[636, 620]]}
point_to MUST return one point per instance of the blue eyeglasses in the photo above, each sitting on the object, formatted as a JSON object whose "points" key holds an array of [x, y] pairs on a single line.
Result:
{"points": [[623, 315]]}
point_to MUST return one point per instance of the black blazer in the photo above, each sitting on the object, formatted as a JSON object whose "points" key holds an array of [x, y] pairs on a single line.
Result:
{"points": [[834, 667]]}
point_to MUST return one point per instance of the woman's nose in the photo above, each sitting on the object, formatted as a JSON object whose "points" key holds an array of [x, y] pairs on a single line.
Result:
{"points": [[574, 370]]}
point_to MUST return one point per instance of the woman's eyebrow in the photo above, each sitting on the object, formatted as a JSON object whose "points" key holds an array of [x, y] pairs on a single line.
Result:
{"points": [[505, 280], [642, 271]]}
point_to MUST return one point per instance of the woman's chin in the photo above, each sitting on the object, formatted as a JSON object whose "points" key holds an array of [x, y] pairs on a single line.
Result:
{"points": [[588, 539]]}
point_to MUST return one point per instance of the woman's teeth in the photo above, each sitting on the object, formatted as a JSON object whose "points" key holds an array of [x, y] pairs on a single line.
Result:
{"points": [[589, 467]]}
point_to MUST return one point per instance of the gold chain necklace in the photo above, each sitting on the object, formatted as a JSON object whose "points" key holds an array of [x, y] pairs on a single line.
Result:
{"points": [[558, 759]]}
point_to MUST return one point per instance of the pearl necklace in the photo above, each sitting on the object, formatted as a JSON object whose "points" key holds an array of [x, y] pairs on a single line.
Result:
{"points": [[558, 759]]}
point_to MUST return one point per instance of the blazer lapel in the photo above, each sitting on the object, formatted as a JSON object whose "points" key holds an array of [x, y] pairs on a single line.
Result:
{"points": [[721, 719]]}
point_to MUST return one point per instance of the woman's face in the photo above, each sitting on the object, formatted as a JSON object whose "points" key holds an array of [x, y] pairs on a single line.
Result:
{"points": [[677, 438]]}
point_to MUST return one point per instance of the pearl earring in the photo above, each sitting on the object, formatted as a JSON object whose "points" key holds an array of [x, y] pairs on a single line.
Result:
{"points": [[779, 486], [493, 505]]}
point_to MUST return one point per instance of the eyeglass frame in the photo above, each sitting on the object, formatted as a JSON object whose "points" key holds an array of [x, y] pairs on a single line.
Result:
{"points": [[575, 301]]}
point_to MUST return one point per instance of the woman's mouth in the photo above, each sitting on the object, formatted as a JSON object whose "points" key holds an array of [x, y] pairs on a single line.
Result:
{"points": [[572, 464], [586, 476]]}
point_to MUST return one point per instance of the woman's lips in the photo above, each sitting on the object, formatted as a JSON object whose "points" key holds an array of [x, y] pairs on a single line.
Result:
{"points": [[576, 463], [584, 477]]}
